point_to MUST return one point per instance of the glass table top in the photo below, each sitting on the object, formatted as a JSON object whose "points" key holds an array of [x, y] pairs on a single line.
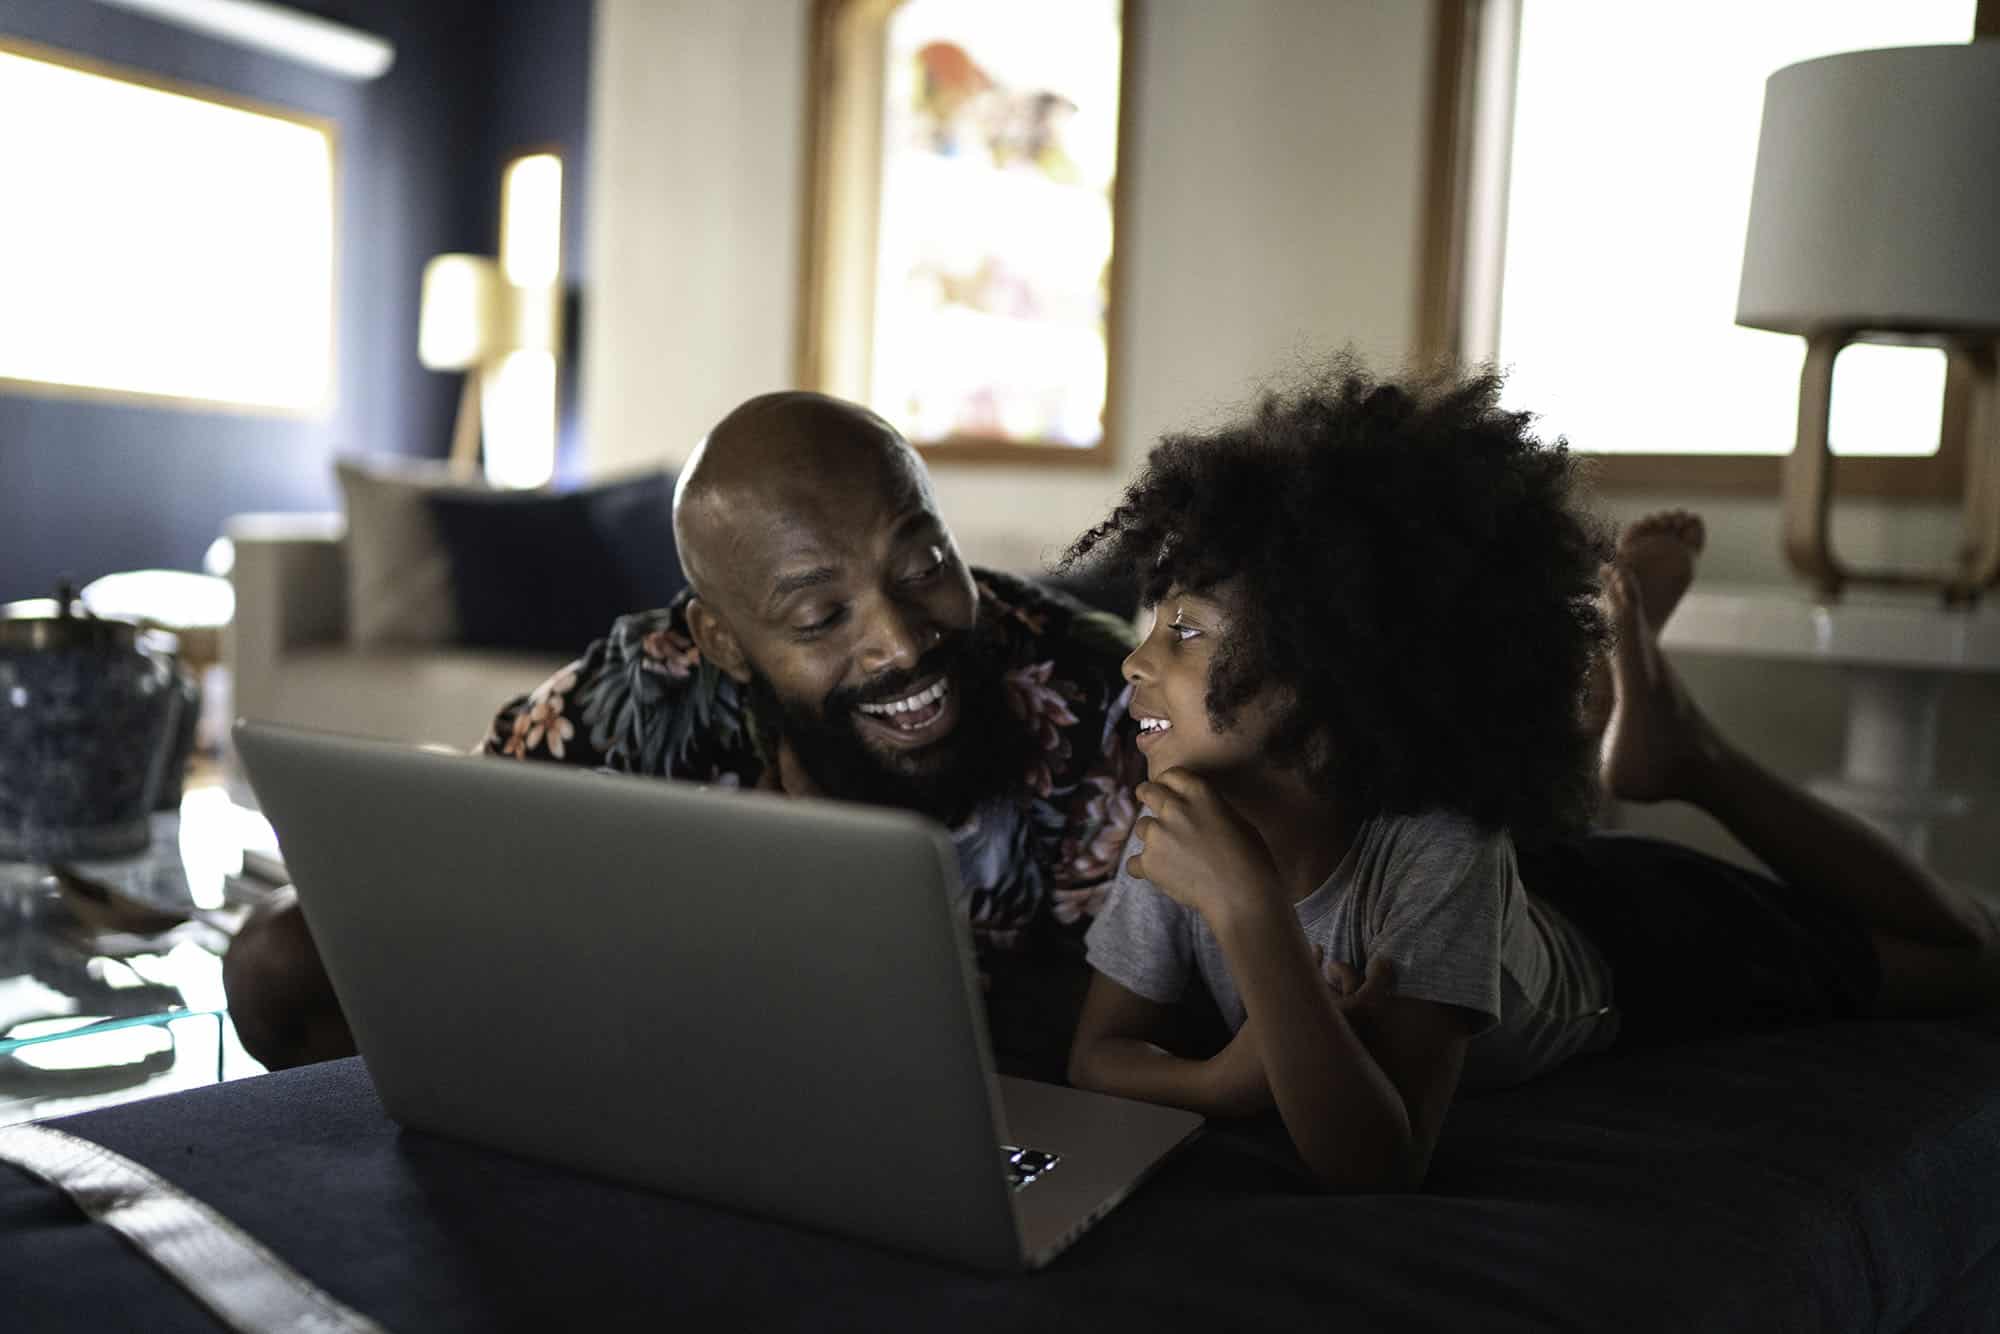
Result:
{"points": [[111, 972]]}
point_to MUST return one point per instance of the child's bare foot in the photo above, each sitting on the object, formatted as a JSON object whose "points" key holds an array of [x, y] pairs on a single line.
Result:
{"points": [[1659, 550], [1656, 739]]}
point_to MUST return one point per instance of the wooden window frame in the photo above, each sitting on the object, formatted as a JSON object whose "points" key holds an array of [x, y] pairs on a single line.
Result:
{"points": [[839, 165], [1442, 302]]}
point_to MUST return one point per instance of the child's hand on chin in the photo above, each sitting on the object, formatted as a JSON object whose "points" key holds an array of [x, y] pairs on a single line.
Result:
{"points": [[1198, 851]]}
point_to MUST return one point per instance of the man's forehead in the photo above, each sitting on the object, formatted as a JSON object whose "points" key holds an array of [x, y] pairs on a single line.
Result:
{"points": [[829, 534], [821, 537]]}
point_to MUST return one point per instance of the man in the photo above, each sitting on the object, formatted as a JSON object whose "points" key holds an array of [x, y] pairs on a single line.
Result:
{"points": [[833, 643]]}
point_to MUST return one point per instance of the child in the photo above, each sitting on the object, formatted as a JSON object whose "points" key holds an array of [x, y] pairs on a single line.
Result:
{"points": [[1378, 611]]}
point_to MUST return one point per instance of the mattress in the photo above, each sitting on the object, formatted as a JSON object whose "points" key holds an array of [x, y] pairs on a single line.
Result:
{"points": [[1842, 1177]]}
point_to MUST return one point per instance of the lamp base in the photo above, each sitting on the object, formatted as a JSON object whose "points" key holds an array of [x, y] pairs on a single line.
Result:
{"points": [[1806, 487], [465, 431]]}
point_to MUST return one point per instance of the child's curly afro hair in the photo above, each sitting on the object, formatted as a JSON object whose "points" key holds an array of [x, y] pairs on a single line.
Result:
{"points": [[1408, 564]]}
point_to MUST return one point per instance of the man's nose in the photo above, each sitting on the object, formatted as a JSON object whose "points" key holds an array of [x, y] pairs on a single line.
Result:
{"points": [[897, 636]]}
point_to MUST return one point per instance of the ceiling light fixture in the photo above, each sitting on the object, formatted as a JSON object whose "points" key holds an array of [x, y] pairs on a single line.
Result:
{"points": [[321, 43]]}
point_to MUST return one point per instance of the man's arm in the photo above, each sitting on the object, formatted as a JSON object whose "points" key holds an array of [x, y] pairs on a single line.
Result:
{"points": [[280, 1000]]}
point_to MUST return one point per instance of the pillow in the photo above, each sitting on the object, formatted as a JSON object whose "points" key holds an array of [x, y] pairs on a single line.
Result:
{"points": [[398, 572], [553, 570]]}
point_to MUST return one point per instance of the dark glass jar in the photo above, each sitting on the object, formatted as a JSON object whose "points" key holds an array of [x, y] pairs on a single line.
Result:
{"points": [[90, 721]]}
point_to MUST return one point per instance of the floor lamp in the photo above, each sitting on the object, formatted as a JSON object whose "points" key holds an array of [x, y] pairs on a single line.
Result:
{"points": [[473, 320], [1875, 217]]}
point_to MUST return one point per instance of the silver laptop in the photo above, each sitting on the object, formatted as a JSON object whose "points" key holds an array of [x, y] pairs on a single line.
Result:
{"points": [[766, 1004]]}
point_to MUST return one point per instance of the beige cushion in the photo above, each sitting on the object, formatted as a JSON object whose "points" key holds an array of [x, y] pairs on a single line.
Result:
{"points": [[398, 572]]}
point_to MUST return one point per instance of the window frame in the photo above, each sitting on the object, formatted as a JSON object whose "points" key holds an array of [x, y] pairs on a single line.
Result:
{"points": [[1463, 49], [325, 126], [836, 88]]}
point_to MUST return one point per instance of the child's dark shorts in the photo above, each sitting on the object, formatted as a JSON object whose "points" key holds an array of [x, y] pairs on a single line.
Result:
{"points": [[1699, 947]]}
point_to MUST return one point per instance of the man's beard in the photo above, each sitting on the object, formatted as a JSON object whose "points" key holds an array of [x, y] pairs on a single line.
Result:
{"points": [[984, 755]]}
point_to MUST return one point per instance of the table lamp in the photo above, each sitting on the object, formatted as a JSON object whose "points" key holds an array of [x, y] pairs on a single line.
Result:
{"points": [[473, 319], [1875, 217]]}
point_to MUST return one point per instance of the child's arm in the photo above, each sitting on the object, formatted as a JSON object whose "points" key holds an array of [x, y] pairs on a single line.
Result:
{"points": [[1363, 1112], [1117, 1050], [1363, 1115]]}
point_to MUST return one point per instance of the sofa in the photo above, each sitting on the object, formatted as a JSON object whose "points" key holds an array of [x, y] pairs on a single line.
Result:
{"points": [[291, 660]]}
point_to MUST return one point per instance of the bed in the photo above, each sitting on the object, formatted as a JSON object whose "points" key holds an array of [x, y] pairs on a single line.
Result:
{"points": [[1841, 1177]]}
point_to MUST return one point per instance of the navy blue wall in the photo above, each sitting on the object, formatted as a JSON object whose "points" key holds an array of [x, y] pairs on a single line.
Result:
{"points": [[90, 486]]}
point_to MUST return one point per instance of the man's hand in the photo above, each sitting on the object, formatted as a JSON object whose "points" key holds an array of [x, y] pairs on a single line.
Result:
{"points": [[1237, 1083], [1198, 850]]}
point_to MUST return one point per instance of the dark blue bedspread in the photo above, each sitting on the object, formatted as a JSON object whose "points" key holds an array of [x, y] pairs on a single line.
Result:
{"points": [[1837, 1178]]}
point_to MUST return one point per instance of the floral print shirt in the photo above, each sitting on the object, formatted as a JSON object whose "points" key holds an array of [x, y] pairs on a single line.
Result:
{"points": [[1037, 863]]}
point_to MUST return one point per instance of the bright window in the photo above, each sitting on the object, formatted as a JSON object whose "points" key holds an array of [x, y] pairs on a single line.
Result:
{"points": [[162, 243], [1628, 188], [519, 404]]}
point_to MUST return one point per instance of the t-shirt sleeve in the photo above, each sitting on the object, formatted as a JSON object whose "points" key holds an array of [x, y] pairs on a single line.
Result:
{"points": [[1443, 910], [1141, 939]]}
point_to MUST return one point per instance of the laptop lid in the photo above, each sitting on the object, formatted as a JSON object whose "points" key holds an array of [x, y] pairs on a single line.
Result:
{"points": [[585, 968]]}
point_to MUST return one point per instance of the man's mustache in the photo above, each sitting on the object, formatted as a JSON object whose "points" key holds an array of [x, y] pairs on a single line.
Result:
{"points": [[942, 660]]}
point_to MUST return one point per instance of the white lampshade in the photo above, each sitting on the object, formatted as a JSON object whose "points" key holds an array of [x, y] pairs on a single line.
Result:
{"points": [[472, 316], [462, 320], [1877, 198]]}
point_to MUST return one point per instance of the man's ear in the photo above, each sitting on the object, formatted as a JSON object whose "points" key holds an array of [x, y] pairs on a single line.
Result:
{"points": [[716, 641]]}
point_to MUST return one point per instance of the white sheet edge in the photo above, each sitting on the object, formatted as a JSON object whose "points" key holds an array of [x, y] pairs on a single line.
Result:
{"points": [[225, 1269]]}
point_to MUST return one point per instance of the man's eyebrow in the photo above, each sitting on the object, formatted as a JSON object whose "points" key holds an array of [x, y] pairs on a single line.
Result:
{"points": [[788, 584]]}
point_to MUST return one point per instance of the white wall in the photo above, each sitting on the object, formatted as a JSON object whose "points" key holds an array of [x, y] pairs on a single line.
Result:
{"points": [[697, 126], [1273, 212]]}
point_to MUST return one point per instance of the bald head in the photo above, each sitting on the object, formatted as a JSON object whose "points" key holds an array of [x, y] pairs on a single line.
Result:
{"points": [[771, 463], [829, 589]]}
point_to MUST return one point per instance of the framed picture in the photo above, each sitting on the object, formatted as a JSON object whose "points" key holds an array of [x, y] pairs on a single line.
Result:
{"points": [[961, 256]]}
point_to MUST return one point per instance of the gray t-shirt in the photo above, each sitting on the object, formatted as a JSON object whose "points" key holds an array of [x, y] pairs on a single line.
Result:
{"points": [[1442, 899]]}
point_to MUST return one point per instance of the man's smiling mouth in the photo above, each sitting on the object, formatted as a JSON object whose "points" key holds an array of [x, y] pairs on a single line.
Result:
{"points": [[930, 694], [915, 716]]}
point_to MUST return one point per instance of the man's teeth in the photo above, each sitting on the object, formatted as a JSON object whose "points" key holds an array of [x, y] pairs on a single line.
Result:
{"points": [[936, 691], [1154, 724]]}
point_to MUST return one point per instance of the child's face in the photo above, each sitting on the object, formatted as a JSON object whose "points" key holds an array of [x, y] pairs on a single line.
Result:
{"points": [[1169, 676]]}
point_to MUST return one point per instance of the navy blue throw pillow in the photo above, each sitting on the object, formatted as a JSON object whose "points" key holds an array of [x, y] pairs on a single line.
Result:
{"points": [[553, 570]]}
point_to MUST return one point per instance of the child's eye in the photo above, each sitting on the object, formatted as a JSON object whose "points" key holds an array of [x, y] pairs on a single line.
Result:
{"points": [[1182, 632]]}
